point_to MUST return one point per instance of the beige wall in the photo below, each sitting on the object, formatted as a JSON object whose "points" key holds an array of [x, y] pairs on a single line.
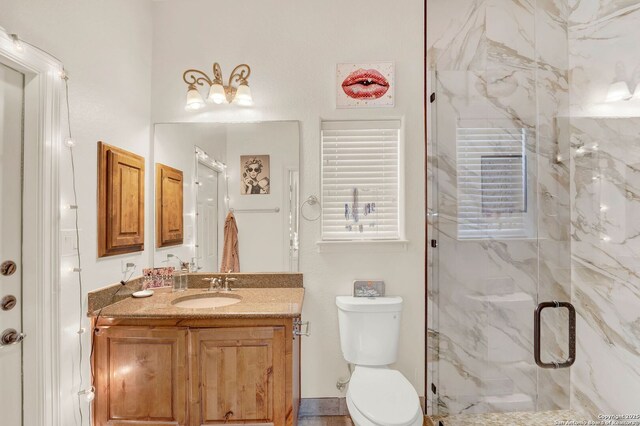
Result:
{"points": [[293, 48], [118, 81]]}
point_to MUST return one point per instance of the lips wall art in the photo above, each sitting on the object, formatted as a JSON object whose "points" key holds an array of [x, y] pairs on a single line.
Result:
{"points": [[365, 85]]}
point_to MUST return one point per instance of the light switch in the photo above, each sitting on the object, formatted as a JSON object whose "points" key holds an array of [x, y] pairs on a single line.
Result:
{"points": [[68, 243]]}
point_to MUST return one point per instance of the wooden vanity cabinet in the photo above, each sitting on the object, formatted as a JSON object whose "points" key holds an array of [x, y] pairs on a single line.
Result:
{"points": [[202, 372]]}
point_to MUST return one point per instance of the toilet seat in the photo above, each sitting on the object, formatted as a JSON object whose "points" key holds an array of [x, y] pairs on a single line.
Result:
{"points": [[384, 397]]}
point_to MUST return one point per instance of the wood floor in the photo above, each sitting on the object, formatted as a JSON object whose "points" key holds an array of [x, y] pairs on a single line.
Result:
{"points": [[325, 421]]}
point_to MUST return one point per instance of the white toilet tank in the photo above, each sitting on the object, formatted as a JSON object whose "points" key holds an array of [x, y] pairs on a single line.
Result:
{"points": [[369, 329]]}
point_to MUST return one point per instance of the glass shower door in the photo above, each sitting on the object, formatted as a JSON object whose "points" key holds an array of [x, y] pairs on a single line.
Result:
{"points": [[495, 255]]}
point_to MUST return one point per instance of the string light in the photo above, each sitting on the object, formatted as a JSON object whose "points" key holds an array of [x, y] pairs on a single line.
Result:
{"points": [[70, 143], [17, 44], [89, 394]]}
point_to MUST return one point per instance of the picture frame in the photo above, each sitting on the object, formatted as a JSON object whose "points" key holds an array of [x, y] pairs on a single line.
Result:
{"points": [[365, 85]]}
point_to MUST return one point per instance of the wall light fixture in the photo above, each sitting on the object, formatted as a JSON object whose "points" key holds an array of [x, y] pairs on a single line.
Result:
{"points": [[636, 93], [236, 91], [618, 91]]}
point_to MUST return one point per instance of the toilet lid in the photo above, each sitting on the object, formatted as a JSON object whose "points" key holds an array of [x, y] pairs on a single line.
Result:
{"points": [[384, 396]]}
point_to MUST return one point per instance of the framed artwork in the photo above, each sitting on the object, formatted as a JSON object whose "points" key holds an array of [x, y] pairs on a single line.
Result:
{"points": [[365, 85], [254, 177]]}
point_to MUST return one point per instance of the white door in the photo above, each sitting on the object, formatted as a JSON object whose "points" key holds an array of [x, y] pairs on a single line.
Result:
{"points": [[11, 113]]}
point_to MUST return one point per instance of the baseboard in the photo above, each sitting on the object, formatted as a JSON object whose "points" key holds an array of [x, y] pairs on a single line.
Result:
{"points": [[328, 407], [323, 407]]}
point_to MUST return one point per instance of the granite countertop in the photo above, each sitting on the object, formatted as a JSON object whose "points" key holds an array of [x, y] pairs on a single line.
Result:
{"points": [[255, 303]]}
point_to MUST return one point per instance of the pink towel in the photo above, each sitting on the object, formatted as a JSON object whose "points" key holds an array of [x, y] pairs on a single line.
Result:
{"points": [[230, 253]]}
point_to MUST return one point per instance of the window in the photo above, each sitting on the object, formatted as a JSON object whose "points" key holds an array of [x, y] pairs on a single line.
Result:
{"points": [[492, 183], [360, 180]]}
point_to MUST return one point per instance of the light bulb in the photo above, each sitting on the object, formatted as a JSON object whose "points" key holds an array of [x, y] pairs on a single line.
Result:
{"points": [[243, 95], [216, 94], [89, 394], [70, 143], [194, 99]]}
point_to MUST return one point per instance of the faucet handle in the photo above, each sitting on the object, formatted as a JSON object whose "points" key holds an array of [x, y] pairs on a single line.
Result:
{"points": [[214, 283]]}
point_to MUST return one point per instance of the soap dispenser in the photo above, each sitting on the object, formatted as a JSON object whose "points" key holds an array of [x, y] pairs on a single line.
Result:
{"points": [[180, 277]]}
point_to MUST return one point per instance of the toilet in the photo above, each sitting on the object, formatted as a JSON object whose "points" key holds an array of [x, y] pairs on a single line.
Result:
{"points": [[369, 331]]}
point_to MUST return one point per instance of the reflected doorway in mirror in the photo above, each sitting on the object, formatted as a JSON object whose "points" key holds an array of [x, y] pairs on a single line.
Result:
{"points": [[255, 172]]}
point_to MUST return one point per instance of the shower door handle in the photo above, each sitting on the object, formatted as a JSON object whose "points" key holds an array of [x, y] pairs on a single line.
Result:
{"points": [[572, 335]]}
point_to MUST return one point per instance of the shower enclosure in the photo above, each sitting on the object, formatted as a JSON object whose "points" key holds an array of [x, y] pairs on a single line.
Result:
{"points": [[498, 208]]}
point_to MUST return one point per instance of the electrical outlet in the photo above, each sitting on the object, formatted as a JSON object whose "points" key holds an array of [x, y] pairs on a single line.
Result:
{"points": [[127, 265]]}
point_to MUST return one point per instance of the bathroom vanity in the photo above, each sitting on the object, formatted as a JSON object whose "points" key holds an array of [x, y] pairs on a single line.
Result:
{"points": [[164, 361]]}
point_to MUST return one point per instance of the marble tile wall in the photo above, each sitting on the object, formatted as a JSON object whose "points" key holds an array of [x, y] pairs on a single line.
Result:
{"points": [[499, 63], [605, 190], [546, 66]]}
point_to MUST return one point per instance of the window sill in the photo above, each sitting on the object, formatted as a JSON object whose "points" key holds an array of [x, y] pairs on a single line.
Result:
{"points": [[364, 246]]}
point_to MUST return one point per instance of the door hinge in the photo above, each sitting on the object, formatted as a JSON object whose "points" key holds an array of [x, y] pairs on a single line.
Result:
{"points": [[432, 98], [434, 243]]}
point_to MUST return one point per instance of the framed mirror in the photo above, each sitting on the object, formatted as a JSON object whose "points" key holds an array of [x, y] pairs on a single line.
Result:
{"points": [[250, 170]]}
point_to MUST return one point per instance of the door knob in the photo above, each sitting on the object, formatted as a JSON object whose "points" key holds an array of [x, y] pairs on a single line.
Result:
{"points": [[11, 337]]}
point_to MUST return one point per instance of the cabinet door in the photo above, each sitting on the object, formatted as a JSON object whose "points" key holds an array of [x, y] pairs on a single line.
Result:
{"points": [[238, 375], [121, 201], [169, 206], [140, 376]]}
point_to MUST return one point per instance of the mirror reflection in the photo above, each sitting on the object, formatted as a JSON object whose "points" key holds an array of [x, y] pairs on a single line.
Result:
{"points": [[238, 208]]}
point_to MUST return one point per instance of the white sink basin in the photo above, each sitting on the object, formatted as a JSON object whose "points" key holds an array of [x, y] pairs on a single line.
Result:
{"points": [[204, 301]]}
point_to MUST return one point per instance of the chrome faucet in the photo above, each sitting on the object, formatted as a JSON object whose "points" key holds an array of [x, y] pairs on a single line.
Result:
{"points": [[214, 283]]}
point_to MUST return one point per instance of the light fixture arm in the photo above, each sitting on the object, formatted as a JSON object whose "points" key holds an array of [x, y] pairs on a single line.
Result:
{"points": [[240, 74], [190, 78], [217, 73]]}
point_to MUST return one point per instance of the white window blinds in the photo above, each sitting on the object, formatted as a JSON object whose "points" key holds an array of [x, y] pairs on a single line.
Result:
{"points": [[492, 183], [360, 180]]}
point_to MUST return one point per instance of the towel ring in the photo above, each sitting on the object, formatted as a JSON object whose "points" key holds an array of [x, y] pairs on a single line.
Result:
{"points": [[311, 200]]}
